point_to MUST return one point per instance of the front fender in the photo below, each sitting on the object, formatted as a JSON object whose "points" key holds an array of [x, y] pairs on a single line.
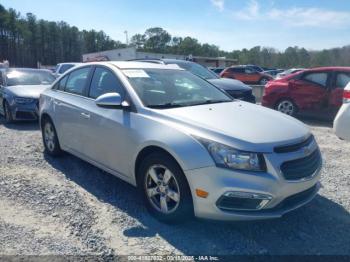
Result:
{"points": [[185, 149]]}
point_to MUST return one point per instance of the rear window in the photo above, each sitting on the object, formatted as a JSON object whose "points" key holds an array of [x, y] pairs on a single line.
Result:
{"points": [[342, 79], [28, 77]]}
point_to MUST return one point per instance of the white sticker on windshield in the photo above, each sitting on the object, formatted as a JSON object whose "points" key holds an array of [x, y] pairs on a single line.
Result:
{"points": [[136, 73]]}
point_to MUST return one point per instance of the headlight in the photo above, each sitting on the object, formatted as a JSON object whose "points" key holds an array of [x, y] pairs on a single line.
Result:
{"points": [[228, 157], [23, 100]]}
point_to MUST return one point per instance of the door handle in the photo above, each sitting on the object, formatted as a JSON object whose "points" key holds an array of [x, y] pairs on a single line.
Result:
{"points": [[85, 115]]}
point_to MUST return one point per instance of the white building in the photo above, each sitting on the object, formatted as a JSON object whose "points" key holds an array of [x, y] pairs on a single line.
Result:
{"points": [[129, 53]]}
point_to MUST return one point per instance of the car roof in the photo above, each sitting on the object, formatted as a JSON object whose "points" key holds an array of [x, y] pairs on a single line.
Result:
{"points": [[330, 68], [135, 65], [176, 61], [26, 69], [70, 63], [239, 66], [163, 61]]}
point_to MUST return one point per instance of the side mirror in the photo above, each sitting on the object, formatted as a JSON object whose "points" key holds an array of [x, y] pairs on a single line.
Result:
{"points": [[111, 100]]}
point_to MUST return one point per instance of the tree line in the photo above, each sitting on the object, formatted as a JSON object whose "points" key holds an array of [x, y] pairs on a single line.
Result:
{"points": [[159, 40], [26, 40]]}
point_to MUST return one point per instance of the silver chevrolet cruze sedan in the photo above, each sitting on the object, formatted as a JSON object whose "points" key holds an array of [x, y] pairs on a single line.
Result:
{"points": [[188, 146]]}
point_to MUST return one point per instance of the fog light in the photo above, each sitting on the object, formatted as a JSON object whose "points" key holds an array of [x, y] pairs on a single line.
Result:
{"points": [[235, 200]]}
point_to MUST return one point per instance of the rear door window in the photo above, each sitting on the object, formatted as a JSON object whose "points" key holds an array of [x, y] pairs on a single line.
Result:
{"points": [[317, 78], [77, 81], [342, 80]]}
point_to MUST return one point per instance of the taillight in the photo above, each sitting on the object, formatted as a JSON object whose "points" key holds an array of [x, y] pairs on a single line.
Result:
{"points": [[346, 96]]}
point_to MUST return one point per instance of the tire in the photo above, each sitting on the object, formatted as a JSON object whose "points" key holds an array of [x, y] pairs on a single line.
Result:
{"points": [[286, 106], [263, 81], [50, 139], [7, 113], [164, 189]]}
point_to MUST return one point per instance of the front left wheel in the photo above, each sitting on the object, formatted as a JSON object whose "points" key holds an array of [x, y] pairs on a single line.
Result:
{"points": [[164, 188], [50, 139]]}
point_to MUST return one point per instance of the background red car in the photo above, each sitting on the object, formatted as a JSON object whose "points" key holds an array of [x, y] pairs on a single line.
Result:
{"points": [[314, 92], [246, 74]]}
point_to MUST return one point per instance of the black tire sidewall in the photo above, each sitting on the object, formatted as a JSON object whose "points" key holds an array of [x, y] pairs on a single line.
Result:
{"points": [[185, 209], [57, 149]]}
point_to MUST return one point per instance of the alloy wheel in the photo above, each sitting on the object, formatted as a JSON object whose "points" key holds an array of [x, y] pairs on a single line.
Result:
{"points": [[49, 136], [162, 189], [286, 107], [263, 81]]}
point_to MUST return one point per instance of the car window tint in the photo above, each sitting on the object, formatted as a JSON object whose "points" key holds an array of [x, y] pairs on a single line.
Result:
{"points": [[62, 83], [236, 70], [342, 80], [64, 68], [249, 70], [103, 82], [317, 78], [77, 80]]}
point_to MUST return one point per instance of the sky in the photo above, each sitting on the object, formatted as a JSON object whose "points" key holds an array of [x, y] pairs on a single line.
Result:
{"points": [[230, 24]]}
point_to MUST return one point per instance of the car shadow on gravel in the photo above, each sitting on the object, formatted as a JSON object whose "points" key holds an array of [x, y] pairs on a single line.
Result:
{"points": [[21, 126], [321, 227]]}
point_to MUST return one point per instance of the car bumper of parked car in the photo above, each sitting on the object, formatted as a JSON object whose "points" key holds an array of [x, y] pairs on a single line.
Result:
{"points": [[239, 195], [342, 122], [25, 112], [268, 101]]}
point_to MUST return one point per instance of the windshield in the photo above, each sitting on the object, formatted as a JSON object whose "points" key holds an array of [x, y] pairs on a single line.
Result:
{"points": [[164, 88], [198, 70], [28, 77]]}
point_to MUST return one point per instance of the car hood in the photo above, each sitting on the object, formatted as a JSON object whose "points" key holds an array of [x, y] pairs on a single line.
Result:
{"points": [[31, 91], [229, 84], [242, 125]]}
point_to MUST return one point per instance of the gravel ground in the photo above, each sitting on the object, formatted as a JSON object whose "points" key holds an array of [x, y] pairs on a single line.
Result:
{"points": [[67, 206]]}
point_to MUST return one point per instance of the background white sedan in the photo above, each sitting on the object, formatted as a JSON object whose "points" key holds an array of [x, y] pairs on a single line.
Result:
{"points": [[342, 120]]}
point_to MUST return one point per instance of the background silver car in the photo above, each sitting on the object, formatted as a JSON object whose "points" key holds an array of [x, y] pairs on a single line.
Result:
{"points": [[187, 145], [20, 89]]}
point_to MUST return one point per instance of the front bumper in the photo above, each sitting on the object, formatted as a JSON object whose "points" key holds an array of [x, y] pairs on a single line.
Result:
{"points": [[25, 112], [285, 195]]}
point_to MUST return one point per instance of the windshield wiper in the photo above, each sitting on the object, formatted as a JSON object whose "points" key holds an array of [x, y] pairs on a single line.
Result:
{"points": [[211, 101], [166, 105]]}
